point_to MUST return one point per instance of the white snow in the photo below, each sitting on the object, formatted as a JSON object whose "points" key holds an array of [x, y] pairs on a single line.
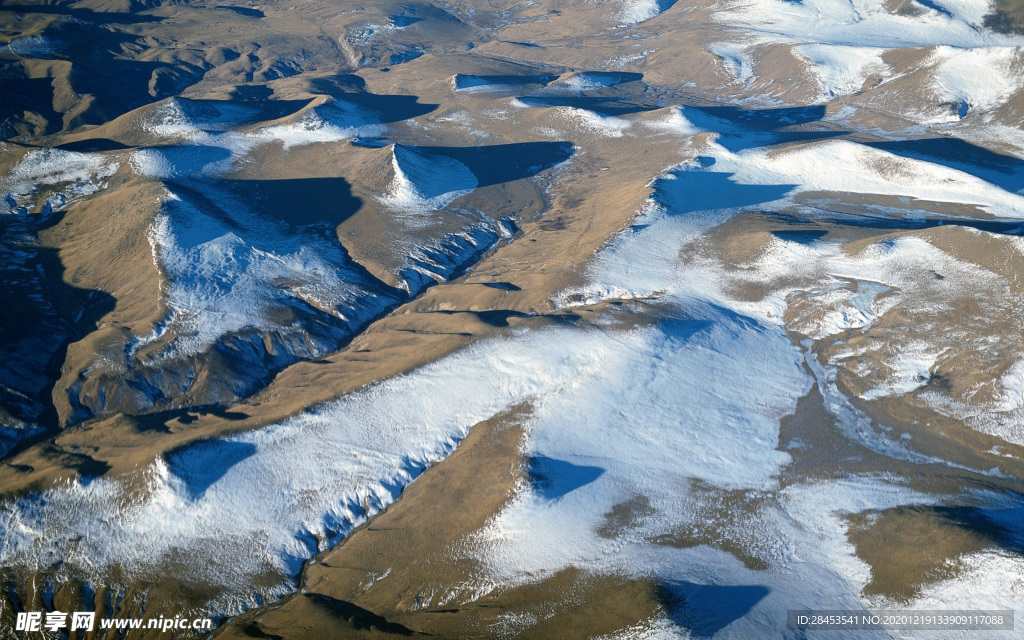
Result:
{"points": [[169, 120], [69, 174], [180, 117], [910, 369], [438, 261], [863, 23], [646, 426], [843, 70], [425, 181], [32, 46], [1001, 416], [856, 168], [334, 120], [610, 126], [636, 11], [181, 161], [848, 303], [591, 81], [696, 395], [220, 282], [675, 122], [592, 462], [971, 66], [988, 580], [980, 79], [735, 59], [206, 146], [234, 508], [475, 84], [1012, 384]]}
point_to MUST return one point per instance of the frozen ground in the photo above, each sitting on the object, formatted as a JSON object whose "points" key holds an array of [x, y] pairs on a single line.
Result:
{"points": [[618, 413]]}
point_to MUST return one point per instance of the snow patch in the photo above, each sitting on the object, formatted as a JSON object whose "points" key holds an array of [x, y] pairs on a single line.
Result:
{"points": [[911, 368], [220, 282], [676, 122], [440, 261], [425, 181], [592, 453], [735, 59], [864, 23], [229, 510], [331, 121], [978, 79], [587, 120], [636, 11], [32, 47], [594, 80], [181, 117], [68, 174], [210, 148], [181, 161], [856, 169], [843, 70]]}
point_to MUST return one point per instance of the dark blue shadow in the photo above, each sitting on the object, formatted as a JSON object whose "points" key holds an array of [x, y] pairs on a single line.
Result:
{"points": [[399, 58], [501, 82], [204, 463], [800, 236], [553, 478], [613, 78], [187, 160], [1005, 227], [692, 191], [742, 129], [682, 329], [1001, 170], [243, 11], [761, 119], [741, 142], [706, 609], [499, 163], [404, 21], [934, 6], [599, 105]]}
